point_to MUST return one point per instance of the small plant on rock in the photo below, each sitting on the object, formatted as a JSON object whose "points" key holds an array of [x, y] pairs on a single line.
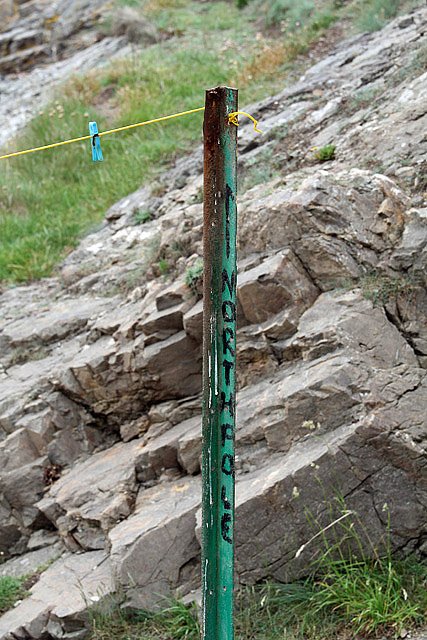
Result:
{"points": [[325, 154], [11, 590], [194, 276], [143, 216], [163, 267], [198, 196]]}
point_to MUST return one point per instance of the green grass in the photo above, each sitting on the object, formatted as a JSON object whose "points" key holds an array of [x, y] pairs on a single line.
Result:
{"points": [[376, 13], [11, 590], [373, 595], [300, 15], [382, 289], [141, 217], [50, 199], [369, 597], [326, 153], [176, 622], [354, 589]]}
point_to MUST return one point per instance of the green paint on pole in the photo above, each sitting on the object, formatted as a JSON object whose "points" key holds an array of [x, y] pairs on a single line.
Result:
{"points": [[219, 363]]}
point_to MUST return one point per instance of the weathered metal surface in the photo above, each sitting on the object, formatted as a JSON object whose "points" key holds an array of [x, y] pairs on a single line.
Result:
{"points": [[219, 348]]}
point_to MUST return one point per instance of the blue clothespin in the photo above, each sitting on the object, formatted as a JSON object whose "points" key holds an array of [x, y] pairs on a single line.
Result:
{"points": [[95, 142]]}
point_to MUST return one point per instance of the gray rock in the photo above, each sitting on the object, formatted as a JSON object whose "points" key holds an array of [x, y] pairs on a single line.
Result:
{"points": [[119, 382], [193, 321], [60, 321], [256, 358], [369, 222], [33, 561], [166, 322], [96, 494], [190, 448], [349, 464], [20, 448], [152, 549], [58, 601], [347, 319], [41, 539], [161, 452]]}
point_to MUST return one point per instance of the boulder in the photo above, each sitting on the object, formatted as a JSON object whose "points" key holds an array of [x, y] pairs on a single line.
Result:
{"points": [[61, 320], [162, 453], [366, 468], [164, 323], [348, 320], [129, 22], [92, 497], [57, 605], [278, 283], [120, 382], [155, 550], [334, 223], [193, 321]]}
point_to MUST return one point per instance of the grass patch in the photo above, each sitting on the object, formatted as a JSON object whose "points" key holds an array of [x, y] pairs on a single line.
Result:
{"points": [[372, 15], [364, 98], [326, 153], [376, 13], [11, 590], [50, 199], [354, 590], [366, 597], [350, 597], [143, 216], [372, 595], [176, 621], [298, 15], [26, 354], [381, 288]]}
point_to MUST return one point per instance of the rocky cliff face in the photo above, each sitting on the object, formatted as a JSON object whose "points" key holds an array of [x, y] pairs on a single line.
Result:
{"points": [[100, 367]]}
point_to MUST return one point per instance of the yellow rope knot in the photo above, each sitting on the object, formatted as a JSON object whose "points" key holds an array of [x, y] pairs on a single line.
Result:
{"points": [[233, 119]]}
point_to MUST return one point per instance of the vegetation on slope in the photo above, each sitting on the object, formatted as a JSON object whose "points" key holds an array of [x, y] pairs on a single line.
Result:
{"points": [[11, 590], [354, 590], [49, 199], [348, 599]]}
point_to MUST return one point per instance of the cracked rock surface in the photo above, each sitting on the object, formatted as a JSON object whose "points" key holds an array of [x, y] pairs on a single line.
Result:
{"points": [[100, 368]]}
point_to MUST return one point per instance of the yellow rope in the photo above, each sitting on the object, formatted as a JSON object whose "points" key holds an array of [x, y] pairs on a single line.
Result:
{"points": [[102, 133], [232, 118]]}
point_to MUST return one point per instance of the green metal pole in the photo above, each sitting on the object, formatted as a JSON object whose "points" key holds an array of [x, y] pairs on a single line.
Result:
{"points": [[219, 363]]}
